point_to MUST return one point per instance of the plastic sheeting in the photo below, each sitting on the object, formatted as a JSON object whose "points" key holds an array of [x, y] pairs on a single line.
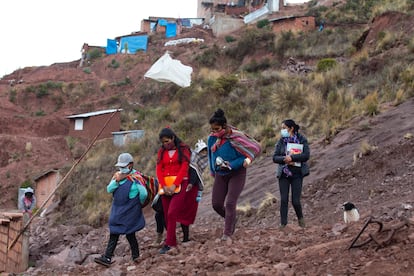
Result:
{"points": [[171, 30], [134, 43], [166, 69], [111, 47]]}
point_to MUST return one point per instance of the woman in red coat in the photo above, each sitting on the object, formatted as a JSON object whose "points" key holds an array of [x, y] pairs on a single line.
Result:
{"points": [[172, 173]]}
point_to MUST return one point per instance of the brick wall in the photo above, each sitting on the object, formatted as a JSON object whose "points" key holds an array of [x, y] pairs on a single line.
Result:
{"points": [[294, 24], [15, 259]]}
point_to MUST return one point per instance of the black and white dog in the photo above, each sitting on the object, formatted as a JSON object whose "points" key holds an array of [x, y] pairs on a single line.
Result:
{"points": [[350, 212]]}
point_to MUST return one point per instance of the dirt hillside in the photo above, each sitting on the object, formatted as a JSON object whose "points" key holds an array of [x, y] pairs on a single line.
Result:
{"points": [[379, 181]]}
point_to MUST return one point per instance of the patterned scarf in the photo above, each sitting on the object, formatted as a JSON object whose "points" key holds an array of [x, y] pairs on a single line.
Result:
{"points": [[149, 182], [220, 139], [293, 139], [239, 140], [199, 163]]}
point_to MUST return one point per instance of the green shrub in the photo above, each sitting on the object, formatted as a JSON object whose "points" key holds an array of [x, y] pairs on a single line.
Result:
{"points": [[262, 23], [229, 38], [25, 184], [42, 92], [254, 66], [326, 64], [224, 84], [123, 82], [12, 95], [285, 42], [94, 54], [87, 70], [209, 57], [114, 64], [40, 113], [250, 41]]}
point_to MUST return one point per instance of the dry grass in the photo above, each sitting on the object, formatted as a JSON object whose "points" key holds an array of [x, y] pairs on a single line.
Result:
{"points": [[395, 5], [267, 203], [322, 103], [245, 210]]}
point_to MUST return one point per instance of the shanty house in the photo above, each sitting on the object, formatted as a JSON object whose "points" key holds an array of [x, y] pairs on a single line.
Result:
{"points": [[45, 185], [88, 125], [293, 24]]}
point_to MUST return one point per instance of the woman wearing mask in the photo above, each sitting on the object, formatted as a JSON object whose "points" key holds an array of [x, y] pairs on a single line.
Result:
{"points": [[228, 166], [172, 173], [291, 153]]}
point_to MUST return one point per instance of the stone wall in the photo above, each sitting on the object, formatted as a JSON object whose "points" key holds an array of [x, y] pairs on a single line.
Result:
{"points": [[15, 259]]}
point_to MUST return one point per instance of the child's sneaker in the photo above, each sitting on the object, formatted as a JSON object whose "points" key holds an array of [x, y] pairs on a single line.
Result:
{"points": [[165, 249], [158, 240], [103, 261], [302, 222]]}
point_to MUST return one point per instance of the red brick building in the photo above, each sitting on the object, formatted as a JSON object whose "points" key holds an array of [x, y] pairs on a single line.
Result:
{"points": [[88, 125], [293, 24]]}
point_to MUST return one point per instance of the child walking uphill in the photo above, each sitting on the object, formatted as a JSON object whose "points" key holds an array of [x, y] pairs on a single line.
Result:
{"points": [[126, 218]]}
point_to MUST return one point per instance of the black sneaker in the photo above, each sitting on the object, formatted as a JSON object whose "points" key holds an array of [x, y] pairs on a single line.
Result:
{"points": [[103, 261], [165, 249], [136, 260]]}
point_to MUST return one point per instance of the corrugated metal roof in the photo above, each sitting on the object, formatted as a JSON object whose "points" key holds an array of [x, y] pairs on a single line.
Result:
{"points": [[95, 113]]}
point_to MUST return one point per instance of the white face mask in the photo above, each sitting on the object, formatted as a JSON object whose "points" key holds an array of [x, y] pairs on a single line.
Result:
{"points": [[124, 170], [284, 132]]}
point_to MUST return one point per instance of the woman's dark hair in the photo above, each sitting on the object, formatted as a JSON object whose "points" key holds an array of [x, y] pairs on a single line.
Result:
{"points": [[290, 123], [218, 118], [169, 133]]}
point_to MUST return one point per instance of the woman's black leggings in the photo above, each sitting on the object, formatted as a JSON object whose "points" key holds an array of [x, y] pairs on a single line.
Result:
{"points": [[284, 185]]}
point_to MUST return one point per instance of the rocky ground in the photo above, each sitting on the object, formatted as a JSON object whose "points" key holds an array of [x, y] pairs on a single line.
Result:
{"points": [[380, 183]]}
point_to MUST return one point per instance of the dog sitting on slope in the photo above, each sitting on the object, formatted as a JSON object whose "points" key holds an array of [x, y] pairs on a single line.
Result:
{"points": [[350, 212]]}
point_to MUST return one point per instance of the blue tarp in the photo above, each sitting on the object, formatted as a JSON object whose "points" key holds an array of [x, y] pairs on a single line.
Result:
{"points": [[185, 22], [111, 47], [171, 30], [162, 22], [134, 43]]}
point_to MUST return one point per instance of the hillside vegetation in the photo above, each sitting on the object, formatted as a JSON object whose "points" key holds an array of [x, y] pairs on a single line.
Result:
{"points": [[359, 64]]}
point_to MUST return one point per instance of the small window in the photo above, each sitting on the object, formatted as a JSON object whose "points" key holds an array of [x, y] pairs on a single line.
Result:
{"points": [[79, 124]]}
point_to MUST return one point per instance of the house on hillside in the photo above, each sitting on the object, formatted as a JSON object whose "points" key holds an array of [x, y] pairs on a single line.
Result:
{"points": [[132, 43], [45, 184], [209, 8], [156, 24], [88, 125], [293, 24], [169, 26], [223, 16]]}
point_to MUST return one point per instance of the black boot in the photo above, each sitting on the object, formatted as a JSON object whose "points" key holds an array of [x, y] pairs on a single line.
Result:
{"points": [[186, 232]]}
